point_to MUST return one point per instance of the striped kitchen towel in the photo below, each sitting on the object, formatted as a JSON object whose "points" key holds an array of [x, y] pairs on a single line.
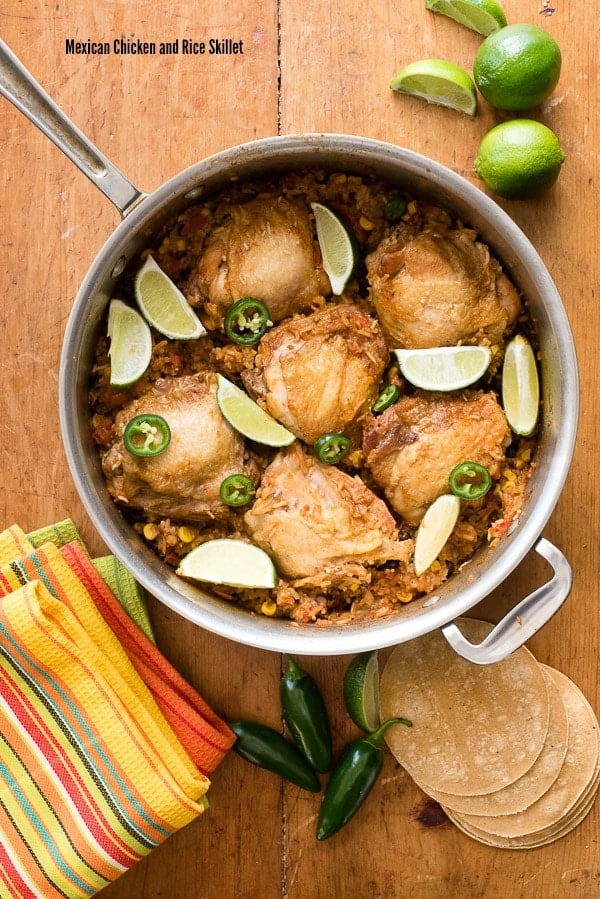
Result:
{"points": [[93, 771]]}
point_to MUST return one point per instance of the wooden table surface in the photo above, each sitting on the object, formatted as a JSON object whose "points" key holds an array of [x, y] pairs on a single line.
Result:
{"points": [[306, 66]]}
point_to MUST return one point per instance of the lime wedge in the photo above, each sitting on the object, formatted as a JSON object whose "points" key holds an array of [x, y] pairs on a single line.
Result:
{"points": [[438, 81], [248, 418], [482, 16], [130, 348], [432, 534], [361, 691], [163, 304], [444, 368], [229, 562], [338, 247], [520, 386]]}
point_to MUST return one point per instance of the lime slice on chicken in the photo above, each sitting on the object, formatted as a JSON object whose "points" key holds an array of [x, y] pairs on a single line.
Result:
{"points": [[444, 368], [163, 305], [248, 418], [338, 247], [434, 530]]}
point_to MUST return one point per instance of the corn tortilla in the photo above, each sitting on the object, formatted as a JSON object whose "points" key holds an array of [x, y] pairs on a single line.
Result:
{"points": [[534, 783], [476, 729], [570, 791]]}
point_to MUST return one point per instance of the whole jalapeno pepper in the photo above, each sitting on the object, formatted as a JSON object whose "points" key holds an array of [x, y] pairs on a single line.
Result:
{"points": [[265, 747], [352, 780], [306, 716]]}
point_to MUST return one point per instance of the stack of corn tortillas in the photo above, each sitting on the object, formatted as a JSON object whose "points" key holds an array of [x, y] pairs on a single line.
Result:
{"points": [[511, 750]]}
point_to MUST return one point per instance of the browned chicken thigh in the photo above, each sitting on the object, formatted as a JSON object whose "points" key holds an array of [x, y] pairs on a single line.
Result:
{"points": [[320, 372], [264, 249], [412, 448], [440, 287], [315, 520], [184, 480]]}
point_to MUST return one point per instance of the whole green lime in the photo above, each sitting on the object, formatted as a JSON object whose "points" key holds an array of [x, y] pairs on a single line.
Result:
{"points": [[519, 159], [517, 67]]}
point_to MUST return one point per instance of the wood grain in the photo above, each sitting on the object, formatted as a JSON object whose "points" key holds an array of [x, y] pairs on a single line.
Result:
{"points": [[306, 67]]}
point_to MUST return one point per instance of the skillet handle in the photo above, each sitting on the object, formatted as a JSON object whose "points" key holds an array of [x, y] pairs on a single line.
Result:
{"points": [[19, 87], [524, 620]]}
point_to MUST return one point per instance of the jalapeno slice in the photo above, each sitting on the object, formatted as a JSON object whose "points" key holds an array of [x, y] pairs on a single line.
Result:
{"points": [[237, 490], [470, 480], [146, 435], [331, 448], [385, 399], [394, 209], [247, 321]]}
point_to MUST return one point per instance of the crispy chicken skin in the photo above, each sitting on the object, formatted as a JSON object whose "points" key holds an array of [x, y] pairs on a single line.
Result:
{"points": [[319, 373], [184, 480], [412, 448], [314, 519], [440, 287], [264, 249]]}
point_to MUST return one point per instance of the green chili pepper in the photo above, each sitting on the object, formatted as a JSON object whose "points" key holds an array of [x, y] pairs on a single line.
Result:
{"points": [[146, 435], [306, 716], [394, 209], [266, 748], [470, 480], [247, 321], [237, 490], [352, 780], [331, 448], [385, 399]]}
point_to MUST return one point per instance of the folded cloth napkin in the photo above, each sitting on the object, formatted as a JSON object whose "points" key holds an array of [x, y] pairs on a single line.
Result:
{"points": [[120, 581], [104, 748]]}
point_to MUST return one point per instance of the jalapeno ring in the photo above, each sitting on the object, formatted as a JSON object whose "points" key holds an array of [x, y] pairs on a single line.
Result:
{"points": [[470, 480], [247, 321], [386, 398], [394, 209], [237, 490], [146, 435], [331, 448]]}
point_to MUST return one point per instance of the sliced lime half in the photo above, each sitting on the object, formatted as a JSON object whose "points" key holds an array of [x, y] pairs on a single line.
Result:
{"points": [[361, 691], [520, 386], [438, 81], [482, 16], [130, 348], [338, 247], [432, 534], [444, 368], [163, 305], [248, 418], [233, 563]]}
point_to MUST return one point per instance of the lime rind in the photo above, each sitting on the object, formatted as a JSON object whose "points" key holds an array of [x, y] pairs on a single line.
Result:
{"points": [[248, 418], [361, 691], [230, 562], [482, 16], [338, 247], [444, 368], [130, 349], [439, 82], [163, 305], [520, 386], [434, 530]]}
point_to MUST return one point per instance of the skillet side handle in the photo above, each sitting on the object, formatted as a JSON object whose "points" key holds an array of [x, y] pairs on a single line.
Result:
{"points": [[524, 620], [21, 89]]}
